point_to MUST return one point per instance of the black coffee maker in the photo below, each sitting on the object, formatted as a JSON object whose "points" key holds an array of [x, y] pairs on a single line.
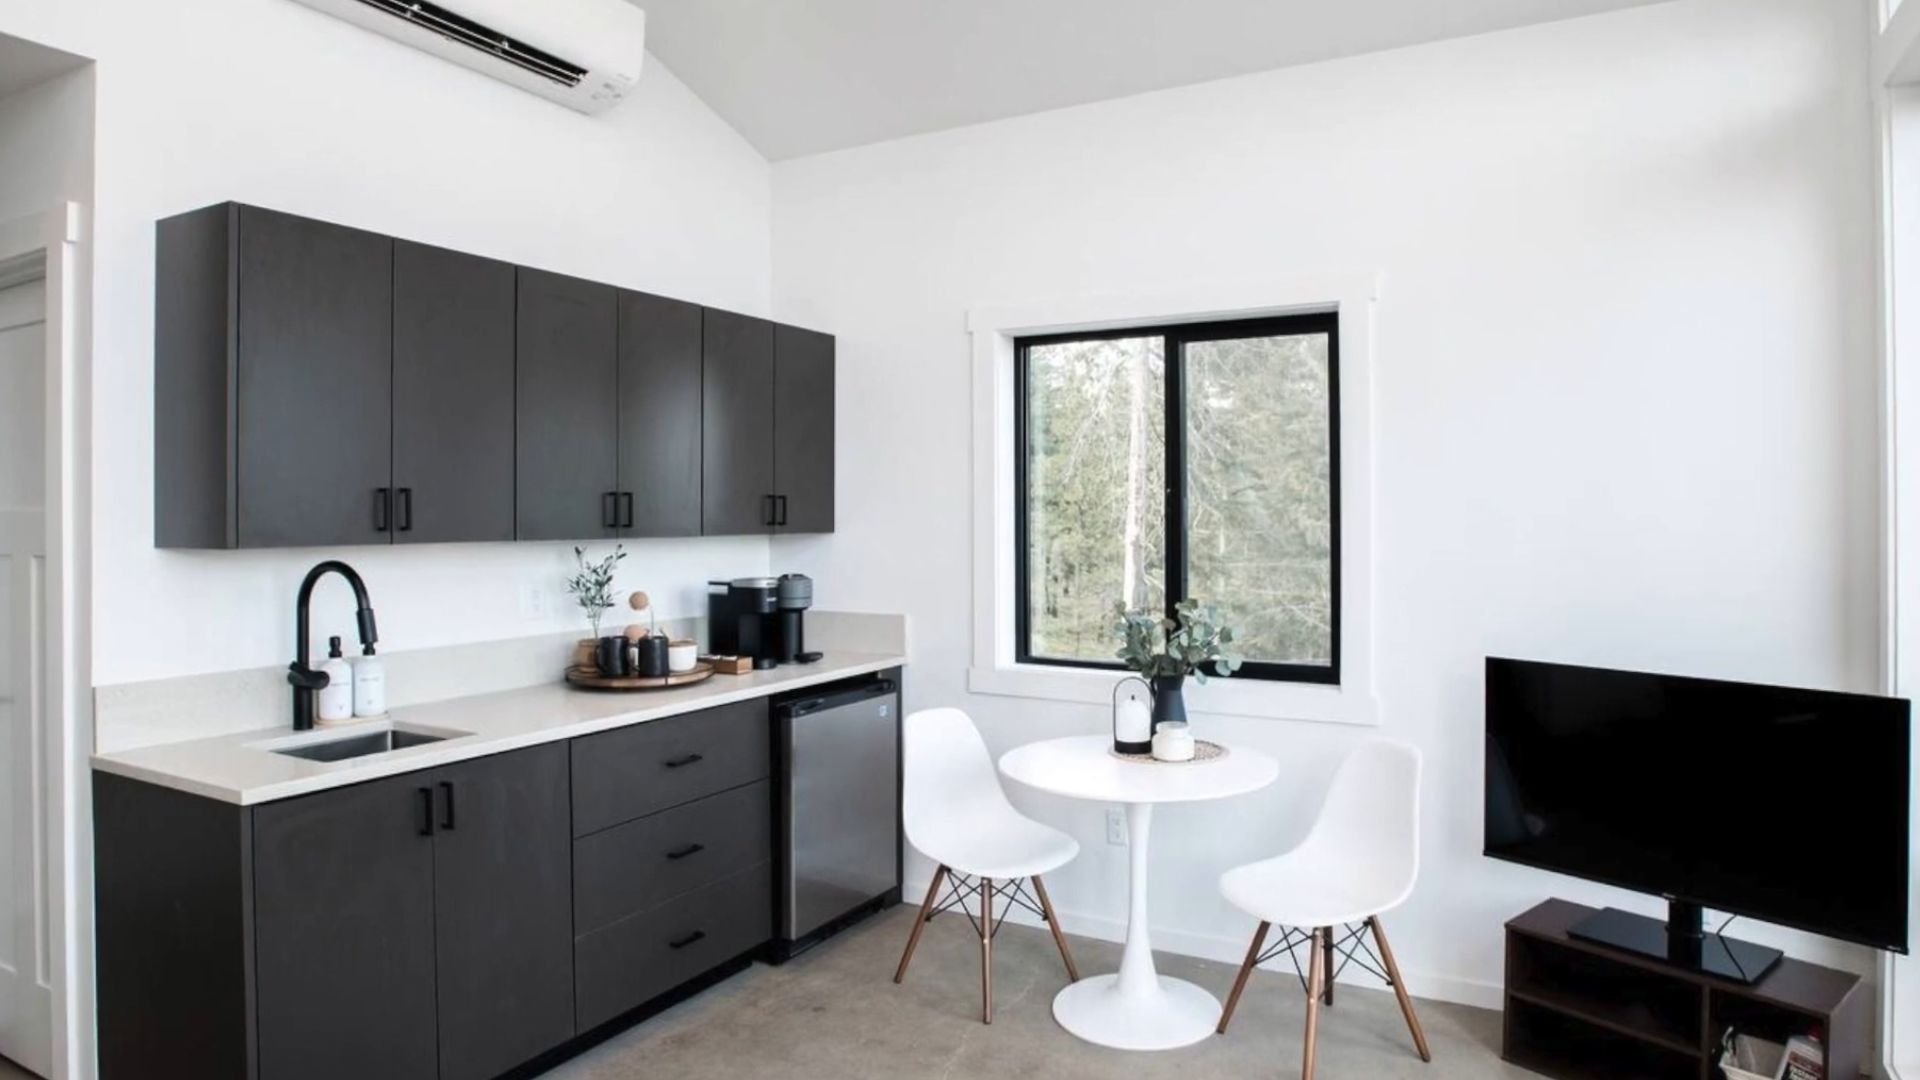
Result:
{"points": [[793, 597], [760, 618], [740, 618]]}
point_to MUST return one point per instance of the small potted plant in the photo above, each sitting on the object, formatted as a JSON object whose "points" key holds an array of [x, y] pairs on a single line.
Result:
{"points": [[1165, 651], [592, 589]]}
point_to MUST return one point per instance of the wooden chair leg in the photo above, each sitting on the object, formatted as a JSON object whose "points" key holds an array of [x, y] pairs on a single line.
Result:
{"points": [[1240, 981], [1053, 924], [920, 923], [1316, 973], [1400, 989], [1326, 946], [986, 950]]}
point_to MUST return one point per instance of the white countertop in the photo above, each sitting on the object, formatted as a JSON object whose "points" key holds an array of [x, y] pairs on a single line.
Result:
{"points": [[238, 769]]}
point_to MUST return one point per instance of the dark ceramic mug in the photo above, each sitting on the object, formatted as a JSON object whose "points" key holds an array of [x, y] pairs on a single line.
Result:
{"points": [[653, 657], [610, 656]]}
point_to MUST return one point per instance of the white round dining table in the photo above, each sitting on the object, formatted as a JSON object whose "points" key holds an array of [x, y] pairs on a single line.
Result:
{"points": [[1135, 1008]]}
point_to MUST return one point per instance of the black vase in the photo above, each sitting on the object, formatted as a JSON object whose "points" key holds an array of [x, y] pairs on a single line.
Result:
{"points": [[1169, 703]]}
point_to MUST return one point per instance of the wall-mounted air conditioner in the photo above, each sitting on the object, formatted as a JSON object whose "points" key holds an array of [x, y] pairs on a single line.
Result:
{"points": [[584, 54]]}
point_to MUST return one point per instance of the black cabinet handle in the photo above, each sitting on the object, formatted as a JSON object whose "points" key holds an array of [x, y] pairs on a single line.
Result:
{"points": [[382, 509], [780, 512], [681, 943], [690, 849], [406, 509], [608, 517], [426, 811], [766, 511], [680, 761], [626, 509], [446, 817]]}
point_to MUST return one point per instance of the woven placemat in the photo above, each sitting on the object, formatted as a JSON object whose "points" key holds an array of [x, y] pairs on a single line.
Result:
{"points": [[1202, 751]]}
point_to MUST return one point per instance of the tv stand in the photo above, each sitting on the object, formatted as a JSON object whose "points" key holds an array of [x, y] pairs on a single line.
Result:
{"points": [[1578, 1010], [1682, 942]]}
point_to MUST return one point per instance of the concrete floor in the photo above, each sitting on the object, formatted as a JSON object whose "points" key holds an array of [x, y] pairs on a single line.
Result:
{"points": [[835, 1013]]}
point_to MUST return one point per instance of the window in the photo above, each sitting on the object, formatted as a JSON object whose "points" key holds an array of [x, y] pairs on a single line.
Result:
{"points": [[1200, 460]]}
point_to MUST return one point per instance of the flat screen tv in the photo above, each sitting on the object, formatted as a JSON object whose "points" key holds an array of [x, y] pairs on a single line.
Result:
{"points": [[1784, 805]]}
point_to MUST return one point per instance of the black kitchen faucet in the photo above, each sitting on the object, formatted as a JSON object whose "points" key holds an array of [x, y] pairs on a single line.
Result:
{"points": [[306, 681]]}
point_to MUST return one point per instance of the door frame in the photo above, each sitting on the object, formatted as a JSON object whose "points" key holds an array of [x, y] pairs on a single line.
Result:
{"points": [[54, 242]]}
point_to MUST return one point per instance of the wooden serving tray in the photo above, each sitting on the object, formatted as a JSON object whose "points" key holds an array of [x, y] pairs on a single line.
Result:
{"points": [[591, 678]]}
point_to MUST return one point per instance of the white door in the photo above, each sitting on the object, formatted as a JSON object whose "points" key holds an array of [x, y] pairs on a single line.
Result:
{"points": [[26, 996]]}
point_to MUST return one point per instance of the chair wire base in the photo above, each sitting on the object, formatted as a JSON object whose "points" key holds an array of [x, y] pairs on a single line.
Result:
{"points": [[967, 893], [1351, 943]]}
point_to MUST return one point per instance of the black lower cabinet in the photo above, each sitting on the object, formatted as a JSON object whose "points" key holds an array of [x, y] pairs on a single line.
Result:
{"points": [[343, 910], [453, 923], [503, 910], [403, 929], [635, 960]]}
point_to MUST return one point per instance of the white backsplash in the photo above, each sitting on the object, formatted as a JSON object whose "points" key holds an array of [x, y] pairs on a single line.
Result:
{"points": [[131, 715]]}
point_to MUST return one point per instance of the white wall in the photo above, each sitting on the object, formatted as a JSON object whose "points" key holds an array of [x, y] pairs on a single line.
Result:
{"points": [[1624, 401], [317, 117], [46, 140]]}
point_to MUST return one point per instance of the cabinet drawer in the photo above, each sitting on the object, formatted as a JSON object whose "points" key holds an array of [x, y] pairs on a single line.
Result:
{"points": [[642, 956], [643, 863], [629, 773]]}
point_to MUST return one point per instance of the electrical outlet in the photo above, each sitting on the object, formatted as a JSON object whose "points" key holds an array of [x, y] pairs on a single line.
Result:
{"points": [[1117, 827], [533, 600]]}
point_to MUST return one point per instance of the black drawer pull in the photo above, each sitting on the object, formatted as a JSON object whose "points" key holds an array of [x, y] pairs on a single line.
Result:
{"points": [[682, 943], [426, 811], [690, 849], [687, 760], [446, 819], [382, 509]]}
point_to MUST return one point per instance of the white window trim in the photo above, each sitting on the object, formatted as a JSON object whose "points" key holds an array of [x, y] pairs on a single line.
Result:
{"points": [[993, 329]]}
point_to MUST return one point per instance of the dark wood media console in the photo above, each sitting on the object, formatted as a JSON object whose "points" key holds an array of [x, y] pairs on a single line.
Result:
{"points": [[1577, 1010]]}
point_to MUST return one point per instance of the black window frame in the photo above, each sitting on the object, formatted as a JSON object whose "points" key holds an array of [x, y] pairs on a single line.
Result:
{"points": [[1176, 337]]}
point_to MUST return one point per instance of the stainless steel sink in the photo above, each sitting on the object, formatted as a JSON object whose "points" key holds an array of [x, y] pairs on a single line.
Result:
{"points": [[353, 746], [347, 745]]}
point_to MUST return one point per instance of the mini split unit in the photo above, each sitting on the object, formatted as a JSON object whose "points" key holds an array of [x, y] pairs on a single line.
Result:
{"points": [[584, 54]]}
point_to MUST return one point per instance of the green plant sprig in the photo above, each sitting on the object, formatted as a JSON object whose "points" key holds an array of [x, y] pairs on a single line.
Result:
{"points": [[592, 586], [1156, 646]]}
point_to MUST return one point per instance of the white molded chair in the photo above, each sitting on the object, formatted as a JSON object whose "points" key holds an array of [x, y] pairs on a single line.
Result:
{"points": [[1358, 861], [956, 814]]}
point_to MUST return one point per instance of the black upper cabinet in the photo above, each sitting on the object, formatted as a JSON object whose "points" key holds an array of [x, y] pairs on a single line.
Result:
{"points": [[343, 934], [316, 385], [737, 463], [503, 910], [273, 369], [568, 427], [803, 430], [452, 396], [660, 423]]}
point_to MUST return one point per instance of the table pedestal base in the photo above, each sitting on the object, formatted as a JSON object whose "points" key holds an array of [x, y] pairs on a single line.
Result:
{"points": [[1162, 1015]]}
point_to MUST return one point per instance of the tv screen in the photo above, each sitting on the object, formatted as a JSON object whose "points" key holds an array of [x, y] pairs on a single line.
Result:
{"points": [[1784, 805]]}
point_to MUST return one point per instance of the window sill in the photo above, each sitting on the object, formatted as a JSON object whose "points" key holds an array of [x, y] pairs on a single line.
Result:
{"points": [[1258, 699]]}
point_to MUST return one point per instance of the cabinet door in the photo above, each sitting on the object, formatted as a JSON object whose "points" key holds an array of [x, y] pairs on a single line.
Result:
{"points": [[659, 416], [503, 910], [452, 396], [313, 371], [567, 443], [737, 441], [343, 934], [803, 429]]}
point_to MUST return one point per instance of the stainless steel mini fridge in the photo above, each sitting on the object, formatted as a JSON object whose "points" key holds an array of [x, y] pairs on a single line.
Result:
{"points": [[839, 772]]}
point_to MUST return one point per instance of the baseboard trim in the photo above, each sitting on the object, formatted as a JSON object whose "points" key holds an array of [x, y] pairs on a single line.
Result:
{"points": [[1233, 950]]}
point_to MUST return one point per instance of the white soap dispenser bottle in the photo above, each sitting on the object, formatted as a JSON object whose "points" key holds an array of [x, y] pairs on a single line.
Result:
{"points": [[369, 684], [336, 698]]}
